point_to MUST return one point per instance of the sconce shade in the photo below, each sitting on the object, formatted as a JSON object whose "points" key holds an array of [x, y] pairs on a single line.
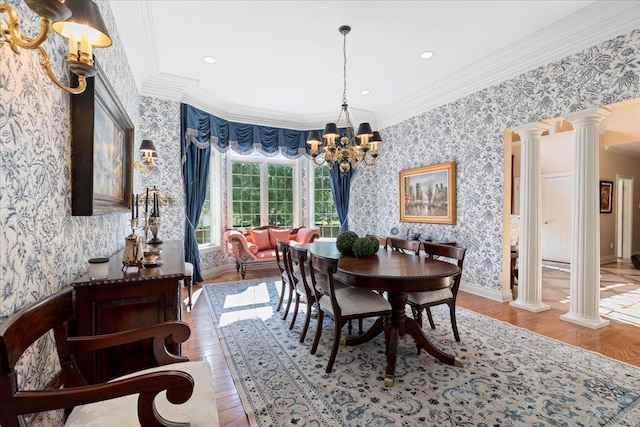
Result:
{"points": [[331, 129], [52, 9], [314, 136], [147, 146], [376, 137], [364, 129], [85, 18]]}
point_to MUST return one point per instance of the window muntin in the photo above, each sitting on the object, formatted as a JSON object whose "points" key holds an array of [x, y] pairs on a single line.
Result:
{"points": [[325, 213], [263, 190]]}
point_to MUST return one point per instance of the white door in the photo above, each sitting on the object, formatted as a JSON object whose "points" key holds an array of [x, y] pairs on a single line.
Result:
{"points": [[557, 201], [624, 220]]}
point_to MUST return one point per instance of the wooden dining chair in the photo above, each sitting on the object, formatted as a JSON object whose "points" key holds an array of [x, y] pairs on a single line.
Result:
{"points": [[382, 240], [340, 302], [419, 301], [302, 278], [283, 259], [403, 245]]}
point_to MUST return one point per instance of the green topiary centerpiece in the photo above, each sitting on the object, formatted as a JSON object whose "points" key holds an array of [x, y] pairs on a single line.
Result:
{"points": [[348, 243], [365, 247], [345, 242]]}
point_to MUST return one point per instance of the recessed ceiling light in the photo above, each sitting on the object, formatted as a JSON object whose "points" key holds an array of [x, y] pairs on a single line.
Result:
{"points": [[365, 92], [426, 55], [209, 59]]}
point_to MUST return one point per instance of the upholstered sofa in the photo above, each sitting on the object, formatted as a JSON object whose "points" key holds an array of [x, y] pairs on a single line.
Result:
{"points": [[258, 244]]}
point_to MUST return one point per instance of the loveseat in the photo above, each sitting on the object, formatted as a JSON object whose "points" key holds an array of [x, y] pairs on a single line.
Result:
{"points": [[258, 244]]}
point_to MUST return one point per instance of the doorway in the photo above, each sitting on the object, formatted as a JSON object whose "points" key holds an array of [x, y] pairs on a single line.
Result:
{"points": [[557, 205], [624, 216]]}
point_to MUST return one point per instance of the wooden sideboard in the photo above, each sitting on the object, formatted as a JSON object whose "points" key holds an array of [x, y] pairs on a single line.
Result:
{"points": [[125, 300]]}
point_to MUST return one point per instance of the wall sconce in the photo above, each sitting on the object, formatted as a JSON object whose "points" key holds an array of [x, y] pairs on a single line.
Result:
{"points": [[77, 20], [149, 156]]}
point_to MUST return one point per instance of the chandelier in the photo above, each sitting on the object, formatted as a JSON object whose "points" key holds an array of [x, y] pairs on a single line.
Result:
{"points": [[347, 150]]}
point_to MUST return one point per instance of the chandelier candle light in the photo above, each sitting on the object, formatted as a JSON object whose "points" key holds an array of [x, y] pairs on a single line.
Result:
{"points": [[348, 151]]}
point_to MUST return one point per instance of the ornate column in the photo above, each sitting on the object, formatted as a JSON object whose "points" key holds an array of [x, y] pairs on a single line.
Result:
{"points": [[530, 256], [585, 259]]}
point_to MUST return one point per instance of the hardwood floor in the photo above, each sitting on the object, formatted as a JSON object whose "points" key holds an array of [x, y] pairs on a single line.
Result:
{"points": [[620, 340]]}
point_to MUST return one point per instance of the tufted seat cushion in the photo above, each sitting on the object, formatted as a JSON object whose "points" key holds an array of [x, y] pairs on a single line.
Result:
{"points": [[421, 298], [354, 300], [200, 410]]}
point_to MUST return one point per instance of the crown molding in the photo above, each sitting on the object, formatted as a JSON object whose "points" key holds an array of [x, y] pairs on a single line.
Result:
{"points": [[262, 117], [598, 22], [136, 28], [601, 21]]}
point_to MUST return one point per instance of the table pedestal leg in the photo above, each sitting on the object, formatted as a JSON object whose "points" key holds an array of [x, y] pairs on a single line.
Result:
{"points": [[400, 325]]}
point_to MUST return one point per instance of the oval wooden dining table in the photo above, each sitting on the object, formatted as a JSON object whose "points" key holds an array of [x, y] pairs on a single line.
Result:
{"points": [[397, 274]]}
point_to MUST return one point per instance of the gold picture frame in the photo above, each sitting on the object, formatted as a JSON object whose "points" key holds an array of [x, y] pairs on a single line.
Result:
{"points": [[428, 194]]}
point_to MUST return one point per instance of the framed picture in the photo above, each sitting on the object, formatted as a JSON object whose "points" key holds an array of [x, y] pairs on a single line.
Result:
{"points": [[101, 151], [606, 196], [428, 194]]}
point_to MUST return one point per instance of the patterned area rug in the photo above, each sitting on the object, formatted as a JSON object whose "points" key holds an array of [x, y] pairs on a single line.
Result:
{"points": [[511, 377]]}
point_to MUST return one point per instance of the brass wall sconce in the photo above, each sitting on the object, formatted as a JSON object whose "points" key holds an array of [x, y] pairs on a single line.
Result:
{"points": [[149, 156], [77, 20]]}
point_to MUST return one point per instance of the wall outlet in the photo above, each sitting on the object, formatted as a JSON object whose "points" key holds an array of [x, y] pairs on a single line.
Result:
{"points": [[612, 246]]}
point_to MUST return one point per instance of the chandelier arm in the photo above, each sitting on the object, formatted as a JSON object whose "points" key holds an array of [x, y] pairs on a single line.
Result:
{"points": [[321, 163], [46, 64]]}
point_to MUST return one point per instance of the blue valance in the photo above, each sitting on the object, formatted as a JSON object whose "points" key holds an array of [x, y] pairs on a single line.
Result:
{"points": [[204, 129]]}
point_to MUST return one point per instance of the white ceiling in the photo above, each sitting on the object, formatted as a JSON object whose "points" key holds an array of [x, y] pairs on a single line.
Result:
{"points": [[279, 63]]}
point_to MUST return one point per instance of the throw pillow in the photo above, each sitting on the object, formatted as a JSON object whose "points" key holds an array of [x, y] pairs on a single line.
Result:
{"points": [[281, 235], [261, 239]]}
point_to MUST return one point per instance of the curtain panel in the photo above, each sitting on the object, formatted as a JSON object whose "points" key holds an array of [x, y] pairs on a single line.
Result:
{"points": [[200, 131]]}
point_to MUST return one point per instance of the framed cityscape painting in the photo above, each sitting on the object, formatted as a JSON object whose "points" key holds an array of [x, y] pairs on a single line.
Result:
{"points": [[428, 194], [102, 151]]}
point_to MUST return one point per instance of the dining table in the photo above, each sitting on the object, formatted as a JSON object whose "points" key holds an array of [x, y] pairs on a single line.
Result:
{"points": [[397, 274]]}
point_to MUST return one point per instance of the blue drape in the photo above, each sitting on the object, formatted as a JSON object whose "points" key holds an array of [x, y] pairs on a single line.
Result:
{"points": [[242, 137], [196, 130], [340, 188]]}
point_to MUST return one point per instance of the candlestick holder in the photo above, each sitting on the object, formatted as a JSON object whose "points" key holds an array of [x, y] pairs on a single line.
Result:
{"points": [[133, 255], [154, 225]]}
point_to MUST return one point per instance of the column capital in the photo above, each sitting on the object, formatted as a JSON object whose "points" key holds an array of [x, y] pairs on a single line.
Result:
{"points": [[531, 130], [590, 116]]}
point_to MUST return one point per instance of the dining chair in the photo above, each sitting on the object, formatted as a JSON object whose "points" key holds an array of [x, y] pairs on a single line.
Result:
{"points": [[419, 301], [302, 279], [283, 259], [342, 303], [403, 245], [383, 240]]}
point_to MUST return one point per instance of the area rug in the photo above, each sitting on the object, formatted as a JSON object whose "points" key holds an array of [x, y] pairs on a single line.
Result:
{"points": [[510, 377]]}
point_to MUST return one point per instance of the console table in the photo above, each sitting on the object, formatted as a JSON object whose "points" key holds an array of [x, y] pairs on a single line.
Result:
{"points": [[126, 300]]}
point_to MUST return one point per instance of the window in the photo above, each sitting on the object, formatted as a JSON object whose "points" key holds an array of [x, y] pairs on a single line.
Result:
{"points": [[245, 190], [263, 191], [209, 228], [325, 214]]}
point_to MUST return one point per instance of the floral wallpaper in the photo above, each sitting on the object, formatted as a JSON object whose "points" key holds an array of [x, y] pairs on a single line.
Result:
{"points": [[470, 130], [42, 247]]}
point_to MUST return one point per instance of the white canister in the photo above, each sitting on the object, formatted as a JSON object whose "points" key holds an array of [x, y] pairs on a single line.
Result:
{"points": [[98, 268]]}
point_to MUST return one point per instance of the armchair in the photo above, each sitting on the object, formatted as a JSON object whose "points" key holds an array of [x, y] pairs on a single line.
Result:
{"points": [[125, 401]]}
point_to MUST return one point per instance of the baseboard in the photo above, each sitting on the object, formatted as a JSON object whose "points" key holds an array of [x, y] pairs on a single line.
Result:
{"points": [[608, 259], [218, 271], [215, 272], [492, 294]]}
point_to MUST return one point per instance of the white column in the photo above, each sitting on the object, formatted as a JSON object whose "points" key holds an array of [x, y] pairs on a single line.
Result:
{"points": [[585, 259], [529, 247]]}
